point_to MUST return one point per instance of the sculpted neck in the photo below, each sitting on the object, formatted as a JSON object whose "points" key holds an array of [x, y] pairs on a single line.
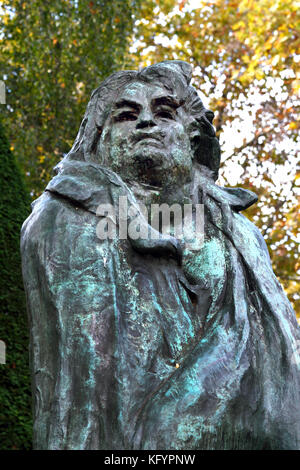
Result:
{"points": [[147, 194], [175, 194]]}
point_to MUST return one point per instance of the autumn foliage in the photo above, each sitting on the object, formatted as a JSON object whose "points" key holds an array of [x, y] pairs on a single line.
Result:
{"points": [[245, 56]]}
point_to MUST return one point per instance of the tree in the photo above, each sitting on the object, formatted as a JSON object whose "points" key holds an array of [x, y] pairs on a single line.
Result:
{"points": [[53, 55], [244, 55], [245, 59], [15, 390]]}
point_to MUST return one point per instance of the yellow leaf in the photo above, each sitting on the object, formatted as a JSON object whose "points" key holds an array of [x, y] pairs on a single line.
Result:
{"points": [[296, 86], [235, 74], [259, 74], [238, 25], [276, 59]]}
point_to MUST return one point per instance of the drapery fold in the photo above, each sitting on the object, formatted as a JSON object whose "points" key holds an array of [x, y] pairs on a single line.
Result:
{"points": [[134, 350]]}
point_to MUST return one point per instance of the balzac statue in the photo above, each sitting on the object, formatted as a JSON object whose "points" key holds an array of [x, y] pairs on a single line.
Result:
{"points": [[147, 343]]}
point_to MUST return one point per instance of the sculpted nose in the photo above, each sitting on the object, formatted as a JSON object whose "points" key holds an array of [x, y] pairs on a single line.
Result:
{"points": [[145, 120]]}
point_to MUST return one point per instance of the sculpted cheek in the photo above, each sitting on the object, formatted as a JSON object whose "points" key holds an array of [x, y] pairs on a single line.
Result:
{"points": [[182, 143], [177, 136]]}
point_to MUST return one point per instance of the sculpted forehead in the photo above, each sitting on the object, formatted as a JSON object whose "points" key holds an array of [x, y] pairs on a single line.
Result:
{"points": [[141, 92]]}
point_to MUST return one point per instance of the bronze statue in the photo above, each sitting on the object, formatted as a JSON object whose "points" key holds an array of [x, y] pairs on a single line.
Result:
{"points": [[153, 343]]}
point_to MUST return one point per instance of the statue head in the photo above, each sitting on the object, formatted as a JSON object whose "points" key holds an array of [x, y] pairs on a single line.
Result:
{"points": [[149, 126]]}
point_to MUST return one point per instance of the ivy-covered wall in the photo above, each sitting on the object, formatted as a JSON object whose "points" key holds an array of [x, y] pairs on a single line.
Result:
{"points": [[15, 388]]}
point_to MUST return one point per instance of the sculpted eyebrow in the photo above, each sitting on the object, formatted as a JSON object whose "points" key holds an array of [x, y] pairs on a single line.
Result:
{"points": [[127, 104], [166, 100]]}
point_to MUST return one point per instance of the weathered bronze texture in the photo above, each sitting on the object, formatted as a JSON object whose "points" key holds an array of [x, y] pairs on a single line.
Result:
{"points": [[149, 344]]}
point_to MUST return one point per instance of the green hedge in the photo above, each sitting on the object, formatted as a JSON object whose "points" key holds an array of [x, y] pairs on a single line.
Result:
{"points": [[15, 388]]}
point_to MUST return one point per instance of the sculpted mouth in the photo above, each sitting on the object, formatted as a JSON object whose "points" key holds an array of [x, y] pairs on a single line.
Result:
{"points": [[150, 141], [147, 138]]}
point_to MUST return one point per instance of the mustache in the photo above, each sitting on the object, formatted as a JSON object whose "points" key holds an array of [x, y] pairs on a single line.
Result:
{"points": [[139, 135]]}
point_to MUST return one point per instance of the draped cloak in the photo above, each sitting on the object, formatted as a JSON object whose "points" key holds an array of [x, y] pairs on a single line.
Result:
{"points": [[153, 349]]}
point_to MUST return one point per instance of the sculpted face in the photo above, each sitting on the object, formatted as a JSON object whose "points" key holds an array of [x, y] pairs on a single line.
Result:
{"points": [[144, 139]]}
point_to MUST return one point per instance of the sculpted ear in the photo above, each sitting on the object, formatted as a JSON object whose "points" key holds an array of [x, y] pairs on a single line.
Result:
{"points": [[207, 152], [209, 115], [205, 146]]}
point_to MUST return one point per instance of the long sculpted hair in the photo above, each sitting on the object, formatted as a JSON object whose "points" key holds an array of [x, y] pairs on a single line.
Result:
{"points": [[175, 76]]}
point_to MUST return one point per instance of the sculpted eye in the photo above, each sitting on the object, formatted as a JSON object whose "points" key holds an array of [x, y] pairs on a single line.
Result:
{"points": [[165, 114], [126, 116]]}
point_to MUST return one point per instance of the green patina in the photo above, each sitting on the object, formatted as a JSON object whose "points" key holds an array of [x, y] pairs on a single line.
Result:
{"points": [[154, 343]]}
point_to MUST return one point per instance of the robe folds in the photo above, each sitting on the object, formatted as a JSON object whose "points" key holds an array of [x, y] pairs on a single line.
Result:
{"points": [[147, 347]]}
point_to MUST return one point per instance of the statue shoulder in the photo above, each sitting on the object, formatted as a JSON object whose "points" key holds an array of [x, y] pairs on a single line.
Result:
{"points": [[251, 234], [46, 210]]}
